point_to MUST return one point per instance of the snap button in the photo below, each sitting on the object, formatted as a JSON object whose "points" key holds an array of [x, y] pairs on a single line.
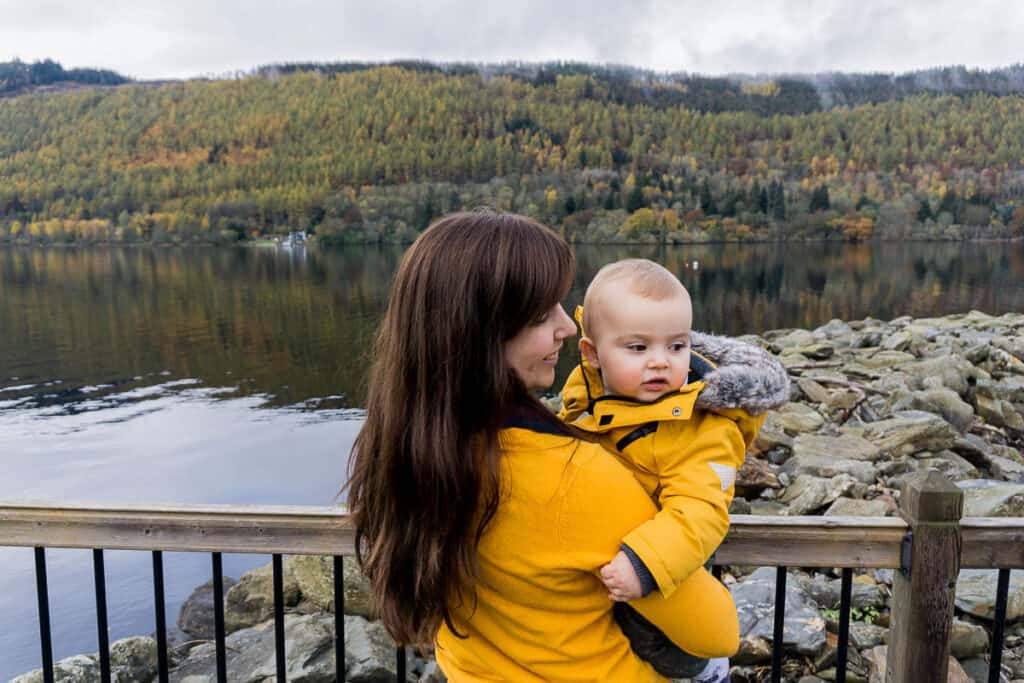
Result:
{"points": [[677, 412]]}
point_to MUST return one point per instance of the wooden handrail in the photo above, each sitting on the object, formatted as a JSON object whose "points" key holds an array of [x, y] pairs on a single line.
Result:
{"points": [[810, 541]]}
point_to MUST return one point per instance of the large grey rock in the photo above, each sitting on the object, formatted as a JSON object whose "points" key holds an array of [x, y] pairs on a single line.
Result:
{"points": [[844, 447], [77, 669], [833, 329], [877, 656], [999, 412], [133, 659], [864, 636], [973, 448], [806, 494], [770, 437], [1008, 469], [942, 401], [817, 351], [792, 338], [315, 576], [814, 391], [988, 498], [967, 639], [804, 629], [885, 358], [952, 371], [251, 600], [309, 653], [826, 467], [950, 464], [196, 615], [826, 592], [910, 431], [857, 507], [797, 418], [770, 508], [755, 476], [976, 593]]}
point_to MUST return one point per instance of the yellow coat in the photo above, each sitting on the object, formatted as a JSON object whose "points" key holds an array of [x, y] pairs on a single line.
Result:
{"points": [[685, 457], [541, 612]]}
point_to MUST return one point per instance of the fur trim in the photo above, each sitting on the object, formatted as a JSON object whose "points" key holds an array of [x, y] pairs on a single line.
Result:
{"points": [[746, 376]]}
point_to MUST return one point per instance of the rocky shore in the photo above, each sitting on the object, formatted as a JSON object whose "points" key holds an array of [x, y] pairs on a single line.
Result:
{"points": [[872, 403]]}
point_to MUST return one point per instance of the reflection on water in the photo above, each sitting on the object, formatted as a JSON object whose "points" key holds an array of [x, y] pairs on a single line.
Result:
{"points": [[297, 326], [235, 376]]}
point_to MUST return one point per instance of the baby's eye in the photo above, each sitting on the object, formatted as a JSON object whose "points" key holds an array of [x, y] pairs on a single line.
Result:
{"points": [[636, 347], [678, 346]]}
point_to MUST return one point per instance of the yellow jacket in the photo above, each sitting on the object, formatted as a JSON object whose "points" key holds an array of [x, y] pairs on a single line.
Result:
{"points": [[540, 611], [686, 458]]}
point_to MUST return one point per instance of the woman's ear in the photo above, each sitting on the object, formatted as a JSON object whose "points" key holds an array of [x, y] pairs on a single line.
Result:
{"points": [[589, 352]]}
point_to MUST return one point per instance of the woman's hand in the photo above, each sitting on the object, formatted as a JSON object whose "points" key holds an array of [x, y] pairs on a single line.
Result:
{"points": [[621, 579]]}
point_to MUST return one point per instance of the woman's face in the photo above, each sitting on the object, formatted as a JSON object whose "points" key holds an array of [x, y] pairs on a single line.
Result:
{"points": [[533, 353]]}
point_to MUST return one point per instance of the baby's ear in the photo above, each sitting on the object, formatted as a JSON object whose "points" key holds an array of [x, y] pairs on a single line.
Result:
{"points": [[589, 352]]}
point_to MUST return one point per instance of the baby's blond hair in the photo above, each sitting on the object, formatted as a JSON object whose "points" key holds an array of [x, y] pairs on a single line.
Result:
{"points": [[642, 277]]}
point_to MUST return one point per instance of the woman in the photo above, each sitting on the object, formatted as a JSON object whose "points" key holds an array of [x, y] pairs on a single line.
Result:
{"points": [[481, 520]]}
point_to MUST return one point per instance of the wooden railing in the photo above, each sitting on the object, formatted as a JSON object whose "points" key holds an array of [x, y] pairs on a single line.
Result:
{"points": [[927, 545]]}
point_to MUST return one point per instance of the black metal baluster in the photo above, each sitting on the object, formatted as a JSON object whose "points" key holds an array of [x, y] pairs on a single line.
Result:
{"points": [[279, 618], [161, 616], [218, 619], [1002, 594], [844, 624], [100, 580], [400, 663], [44, 615], [339, 617], [780, 620]]}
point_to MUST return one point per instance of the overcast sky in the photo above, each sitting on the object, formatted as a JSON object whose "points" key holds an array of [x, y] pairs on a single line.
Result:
{"points": [[154, 39]]}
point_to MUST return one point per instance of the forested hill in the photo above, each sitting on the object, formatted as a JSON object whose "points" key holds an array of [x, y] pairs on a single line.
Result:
{"points": [[368, 154], [764, 94]]}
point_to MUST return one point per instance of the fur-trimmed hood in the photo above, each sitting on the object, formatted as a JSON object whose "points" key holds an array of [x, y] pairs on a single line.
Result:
{"points": [[745, 376]]}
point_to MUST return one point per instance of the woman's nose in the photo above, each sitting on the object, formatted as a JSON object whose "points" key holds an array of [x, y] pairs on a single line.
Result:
{"points": [[566, 326]]}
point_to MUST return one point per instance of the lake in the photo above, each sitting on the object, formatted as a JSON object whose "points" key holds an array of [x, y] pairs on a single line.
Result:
{"points": [[202, 375]]}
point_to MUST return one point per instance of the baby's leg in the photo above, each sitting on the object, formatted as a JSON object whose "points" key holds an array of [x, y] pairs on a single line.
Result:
{"points": [[699, 617]]}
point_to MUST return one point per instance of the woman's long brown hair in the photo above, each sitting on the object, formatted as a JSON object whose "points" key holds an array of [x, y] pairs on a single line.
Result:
{"points": [[425, 466]]}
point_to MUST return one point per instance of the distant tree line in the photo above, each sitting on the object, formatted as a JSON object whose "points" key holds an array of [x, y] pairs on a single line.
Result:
{"points": [[17, 75]]}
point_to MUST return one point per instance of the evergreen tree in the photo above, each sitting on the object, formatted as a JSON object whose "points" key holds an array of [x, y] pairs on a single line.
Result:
{"points": [[707, 202], [777, 200], [570, 205], [636, 199], [924, 211], [819, 199]]}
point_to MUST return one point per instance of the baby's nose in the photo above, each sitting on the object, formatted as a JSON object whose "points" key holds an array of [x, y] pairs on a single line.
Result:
{"points": [[657, 360]]}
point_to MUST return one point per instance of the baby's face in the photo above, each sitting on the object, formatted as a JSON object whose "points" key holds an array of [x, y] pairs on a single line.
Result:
{"points": [[642, 346]]}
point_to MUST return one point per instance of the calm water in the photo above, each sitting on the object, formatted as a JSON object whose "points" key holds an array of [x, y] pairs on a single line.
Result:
{"points": [[236, 376]]}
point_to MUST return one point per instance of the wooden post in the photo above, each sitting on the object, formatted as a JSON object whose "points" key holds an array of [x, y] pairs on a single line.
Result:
{"points": [[924, 586]]}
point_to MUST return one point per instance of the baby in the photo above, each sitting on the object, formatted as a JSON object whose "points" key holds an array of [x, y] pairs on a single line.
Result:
{"points": [[636, 391]]}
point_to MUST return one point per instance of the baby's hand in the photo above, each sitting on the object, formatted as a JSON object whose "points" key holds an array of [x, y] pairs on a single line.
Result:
{"points": [[621, 580]]}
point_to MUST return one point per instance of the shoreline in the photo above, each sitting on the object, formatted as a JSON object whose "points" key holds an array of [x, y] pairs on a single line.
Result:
{"points": [[872, 403]]}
